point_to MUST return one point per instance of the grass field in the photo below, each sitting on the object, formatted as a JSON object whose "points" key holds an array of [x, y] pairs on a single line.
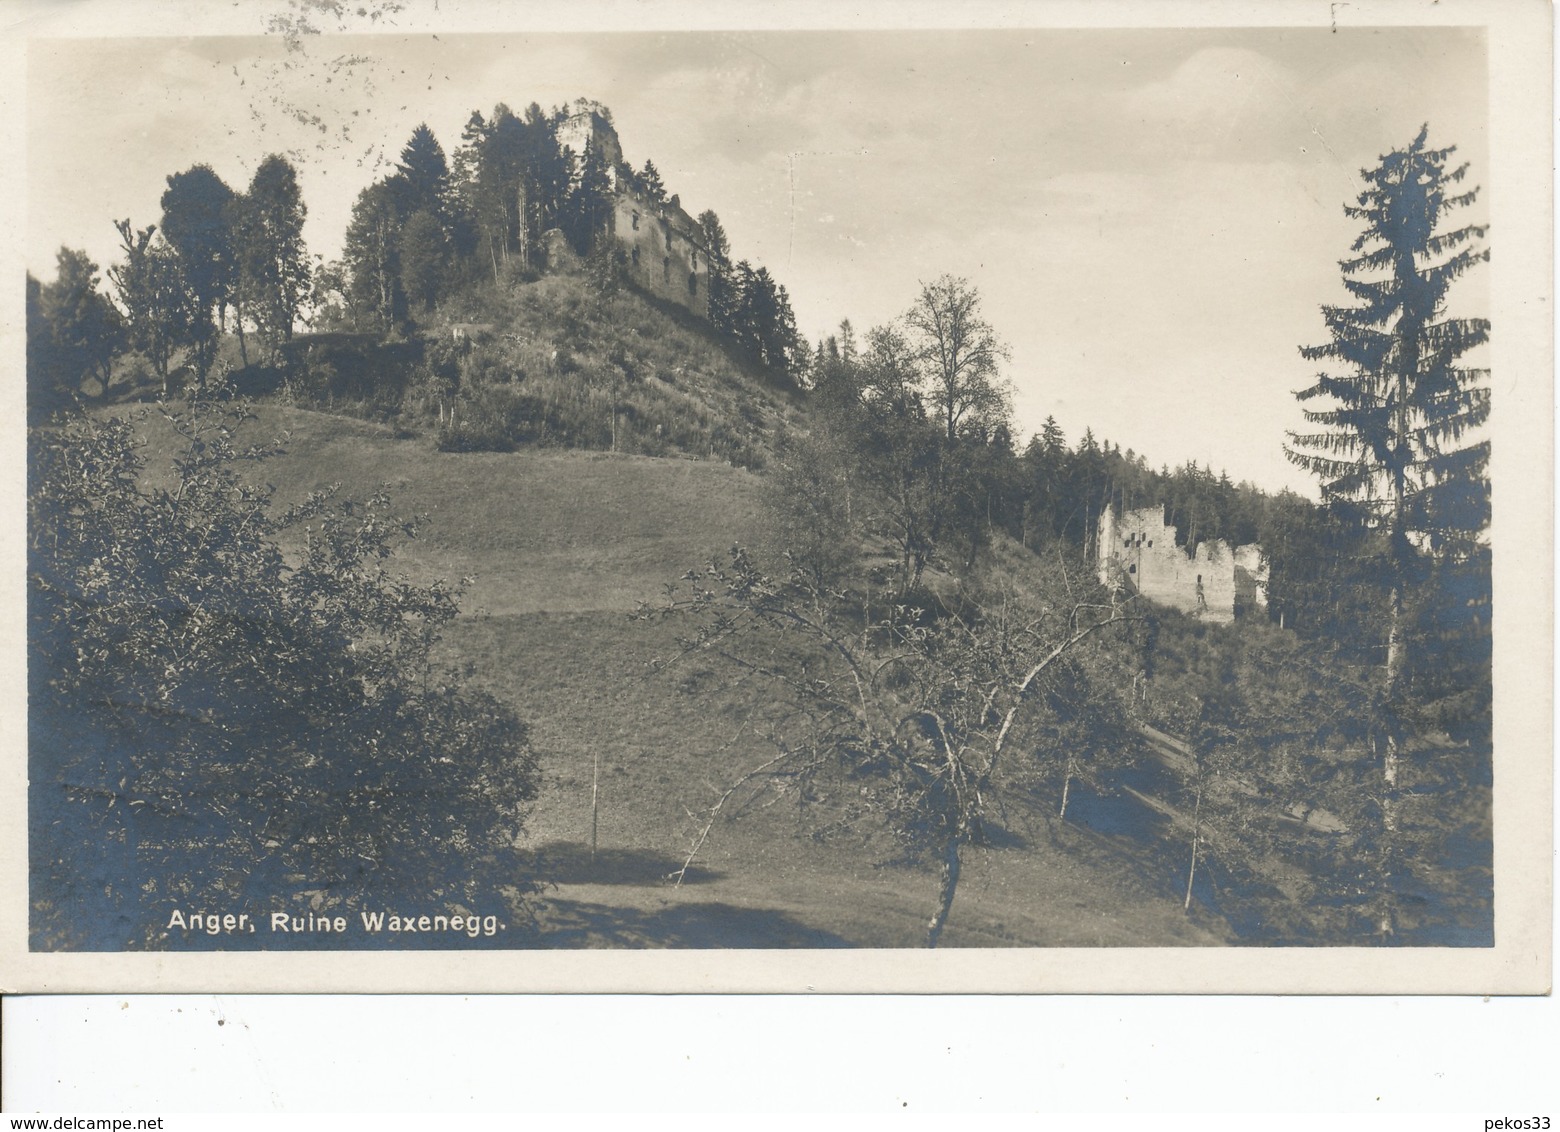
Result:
{"points": [[561, 546]]}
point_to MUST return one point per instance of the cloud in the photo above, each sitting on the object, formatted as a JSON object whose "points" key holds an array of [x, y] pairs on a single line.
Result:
{"points": [[1221, 101]]}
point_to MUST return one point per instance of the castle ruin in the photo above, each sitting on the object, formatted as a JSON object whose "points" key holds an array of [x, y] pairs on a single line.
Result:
{"points": [[663, 247], [1137, 551]]}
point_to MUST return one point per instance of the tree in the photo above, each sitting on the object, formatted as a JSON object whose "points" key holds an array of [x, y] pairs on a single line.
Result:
{"points": [[480, 207], [423, 255], [761, 322], [195, 224], [73, 332], [590, 200], [273, 264], [155, 296], [649, 179], [721, 299], [421, 180], [1394, 439], [372, 255], [234, 704], [961, 354], [914, 718]]}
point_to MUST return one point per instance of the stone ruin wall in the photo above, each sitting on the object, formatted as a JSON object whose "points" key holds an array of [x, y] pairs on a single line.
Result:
{"points": [[662, 246], [665, 256], [590, 124], [1137, 549]]}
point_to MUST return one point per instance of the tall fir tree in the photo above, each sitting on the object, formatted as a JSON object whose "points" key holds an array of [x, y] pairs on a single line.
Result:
{"points": [[1394, 436], [422, 176]]}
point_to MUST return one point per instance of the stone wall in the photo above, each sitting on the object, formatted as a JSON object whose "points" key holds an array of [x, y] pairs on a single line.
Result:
{"points": [[589, 124], [665, 251], [1137, 550], [1251, 578], [663, 247]]}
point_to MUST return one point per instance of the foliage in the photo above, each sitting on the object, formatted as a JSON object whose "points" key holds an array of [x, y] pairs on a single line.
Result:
{"points": [[195, 223], [73, 332], [760, 322], [1276, 786], [911, 715], [1393, 441], [423, 258], [927, 487], [373, 258], [421, 180], [960, 354], [273, 267], [155, 296], [588, 207], [236, 703]]}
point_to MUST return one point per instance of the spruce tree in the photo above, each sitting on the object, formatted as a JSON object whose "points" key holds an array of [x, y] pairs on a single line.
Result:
{"points": [[1397, 414], [422, 176], [1396, 434]]}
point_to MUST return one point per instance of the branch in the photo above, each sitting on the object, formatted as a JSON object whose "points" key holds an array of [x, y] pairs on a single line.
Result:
{"points": [[1029, 679], [714, 812]]}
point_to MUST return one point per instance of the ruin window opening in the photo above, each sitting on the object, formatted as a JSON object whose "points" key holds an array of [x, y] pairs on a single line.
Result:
{"points": [[693, 283]]}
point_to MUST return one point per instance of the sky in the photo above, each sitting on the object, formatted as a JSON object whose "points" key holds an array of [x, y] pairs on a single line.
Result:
{"points": [[1153, 217]]}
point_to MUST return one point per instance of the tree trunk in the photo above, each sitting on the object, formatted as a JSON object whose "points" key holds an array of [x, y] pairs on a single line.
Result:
{"points": [[520, 226], [947, 886], [1191, 873], [1389, 762], [1067, 777], [238, 324]]}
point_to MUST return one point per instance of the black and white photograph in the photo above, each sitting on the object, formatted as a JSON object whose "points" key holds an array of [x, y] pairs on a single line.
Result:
{"points": [[665, 506]]}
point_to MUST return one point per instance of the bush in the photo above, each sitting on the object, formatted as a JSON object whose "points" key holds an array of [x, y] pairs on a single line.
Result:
{"points": [[218, 723]]}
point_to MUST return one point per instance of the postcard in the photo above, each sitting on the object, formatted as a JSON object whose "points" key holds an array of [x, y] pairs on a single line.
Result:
{"points": [[941, 498]]}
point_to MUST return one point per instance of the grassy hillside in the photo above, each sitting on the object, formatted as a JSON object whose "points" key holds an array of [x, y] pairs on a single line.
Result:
{"points": [[541, 531], [561, 546], [551, 363]]}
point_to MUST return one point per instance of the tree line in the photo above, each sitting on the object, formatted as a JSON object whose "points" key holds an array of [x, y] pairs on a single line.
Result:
{"points": [[220, 260], [216, 258]]}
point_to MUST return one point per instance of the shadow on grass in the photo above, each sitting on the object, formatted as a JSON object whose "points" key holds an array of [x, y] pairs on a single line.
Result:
{"points": [[570, 862], [577, 924]]}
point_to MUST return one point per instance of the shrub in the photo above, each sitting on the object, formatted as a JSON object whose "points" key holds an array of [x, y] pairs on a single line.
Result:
{"points": [[217, 723]]}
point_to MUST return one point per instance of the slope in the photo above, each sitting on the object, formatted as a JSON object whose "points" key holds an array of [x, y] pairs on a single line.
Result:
{"points": [[561, 546]]}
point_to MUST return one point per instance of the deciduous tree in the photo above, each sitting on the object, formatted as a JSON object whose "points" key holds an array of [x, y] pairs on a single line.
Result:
{"points": [[195, 224], [961, 356], [273, 263], [910, 715], [73, 332], [154, 294]]}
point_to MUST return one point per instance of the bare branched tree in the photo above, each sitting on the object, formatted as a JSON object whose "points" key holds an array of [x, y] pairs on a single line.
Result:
{"points": [[961, 356], [914, 712]]}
